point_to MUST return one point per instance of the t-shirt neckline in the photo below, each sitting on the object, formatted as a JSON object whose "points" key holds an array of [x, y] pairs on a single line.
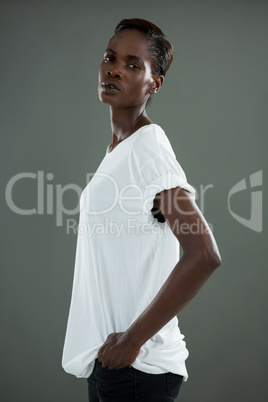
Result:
{"points": [[131, 135]]}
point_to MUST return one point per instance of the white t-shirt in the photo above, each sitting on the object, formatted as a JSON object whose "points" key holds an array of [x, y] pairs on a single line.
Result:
{"points": [[124, 255]]}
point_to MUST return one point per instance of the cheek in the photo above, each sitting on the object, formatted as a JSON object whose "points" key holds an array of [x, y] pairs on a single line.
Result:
{"points": [[147, 81], [145, 86], [138, 90], [101, 70]]}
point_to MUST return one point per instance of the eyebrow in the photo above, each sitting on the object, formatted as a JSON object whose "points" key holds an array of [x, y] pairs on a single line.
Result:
{"points": [[131, 57]]}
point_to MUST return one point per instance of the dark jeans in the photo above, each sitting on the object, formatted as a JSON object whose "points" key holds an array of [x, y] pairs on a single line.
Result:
{"points": [[130, 385]]}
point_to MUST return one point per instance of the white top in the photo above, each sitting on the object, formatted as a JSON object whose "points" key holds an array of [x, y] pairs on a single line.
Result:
{"points": [[124, 255]]}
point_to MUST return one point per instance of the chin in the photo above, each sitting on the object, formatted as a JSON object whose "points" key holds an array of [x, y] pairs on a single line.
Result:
{"points": [[102, 98], [106, 101]]}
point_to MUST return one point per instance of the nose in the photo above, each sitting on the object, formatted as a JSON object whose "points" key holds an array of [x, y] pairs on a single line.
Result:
{"points": [[114, 72]]}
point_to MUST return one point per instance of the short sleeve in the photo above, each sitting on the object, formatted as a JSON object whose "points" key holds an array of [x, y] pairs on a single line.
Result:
{"points": [[162, 173]]}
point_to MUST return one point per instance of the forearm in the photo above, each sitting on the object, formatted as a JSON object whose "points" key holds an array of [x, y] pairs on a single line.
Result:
{"points": [[182, 285]]}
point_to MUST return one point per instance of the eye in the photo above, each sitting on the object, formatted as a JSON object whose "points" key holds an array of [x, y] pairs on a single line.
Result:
{"points": [[107, 59], [133, 66]]}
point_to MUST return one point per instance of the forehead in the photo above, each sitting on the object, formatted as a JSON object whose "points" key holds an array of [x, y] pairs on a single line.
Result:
{"points": [[131, 42]]}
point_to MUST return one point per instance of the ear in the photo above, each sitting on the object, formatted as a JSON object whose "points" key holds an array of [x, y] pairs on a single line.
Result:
{"points": [[157, 83]]}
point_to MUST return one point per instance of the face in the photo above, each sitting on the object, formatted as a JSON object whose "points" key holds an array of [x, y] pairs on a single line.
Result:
{"points": [[125, 74]]}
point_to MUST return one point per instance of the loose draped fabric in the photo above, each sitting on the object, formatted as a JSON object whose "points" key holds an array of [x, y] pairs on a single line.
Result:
{"points": [[124, 255]]}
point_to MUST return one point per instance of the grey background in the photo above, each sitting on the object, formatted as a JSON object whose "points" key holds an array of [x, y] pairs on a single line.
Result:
{"points": [[213, 107]]}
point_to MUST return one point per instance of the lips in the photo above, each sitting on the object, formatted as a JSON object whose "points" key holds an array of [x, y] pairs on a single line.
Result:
{"points": [[109, 85]]}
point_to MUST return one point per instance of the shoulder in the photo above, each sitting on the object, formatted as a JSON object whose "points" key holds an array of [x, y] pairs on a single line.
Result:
{"points": [[151, 143]]}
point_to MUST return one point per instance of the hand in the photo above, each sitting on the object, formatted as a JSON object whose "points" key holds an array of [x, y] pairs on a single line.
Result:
{"points": [[117, 351]]}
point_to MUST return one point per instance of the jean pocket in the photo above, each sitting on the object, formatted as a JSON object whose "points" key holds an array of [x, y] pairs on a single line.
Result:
{"points": [[106, 371], [174, 382]]}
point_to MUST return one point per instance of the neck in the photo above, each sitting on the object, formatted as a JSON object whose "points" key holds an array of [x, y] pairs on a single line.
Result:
{"points": [[125, 122]]}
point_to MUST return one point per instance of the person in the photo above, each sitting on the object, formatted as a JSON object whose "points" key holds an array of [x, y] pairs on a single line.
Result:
{"points": [[137, 210]]}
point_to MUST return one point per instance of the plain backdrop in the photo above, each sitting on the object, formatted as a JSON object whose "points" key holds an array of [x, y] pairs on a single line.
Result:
{"points": [[213, 108]]}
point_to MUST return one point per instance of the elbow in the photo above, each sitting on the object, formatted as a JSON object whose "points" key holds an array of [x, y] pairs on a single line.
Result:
{"points": [[215, 260], [204, 253], [211, 259]]}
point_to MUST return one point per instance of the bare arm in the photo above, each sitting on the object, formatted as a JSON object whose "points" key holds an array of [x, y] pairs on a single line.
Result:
{"points": [[200, 258]]}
